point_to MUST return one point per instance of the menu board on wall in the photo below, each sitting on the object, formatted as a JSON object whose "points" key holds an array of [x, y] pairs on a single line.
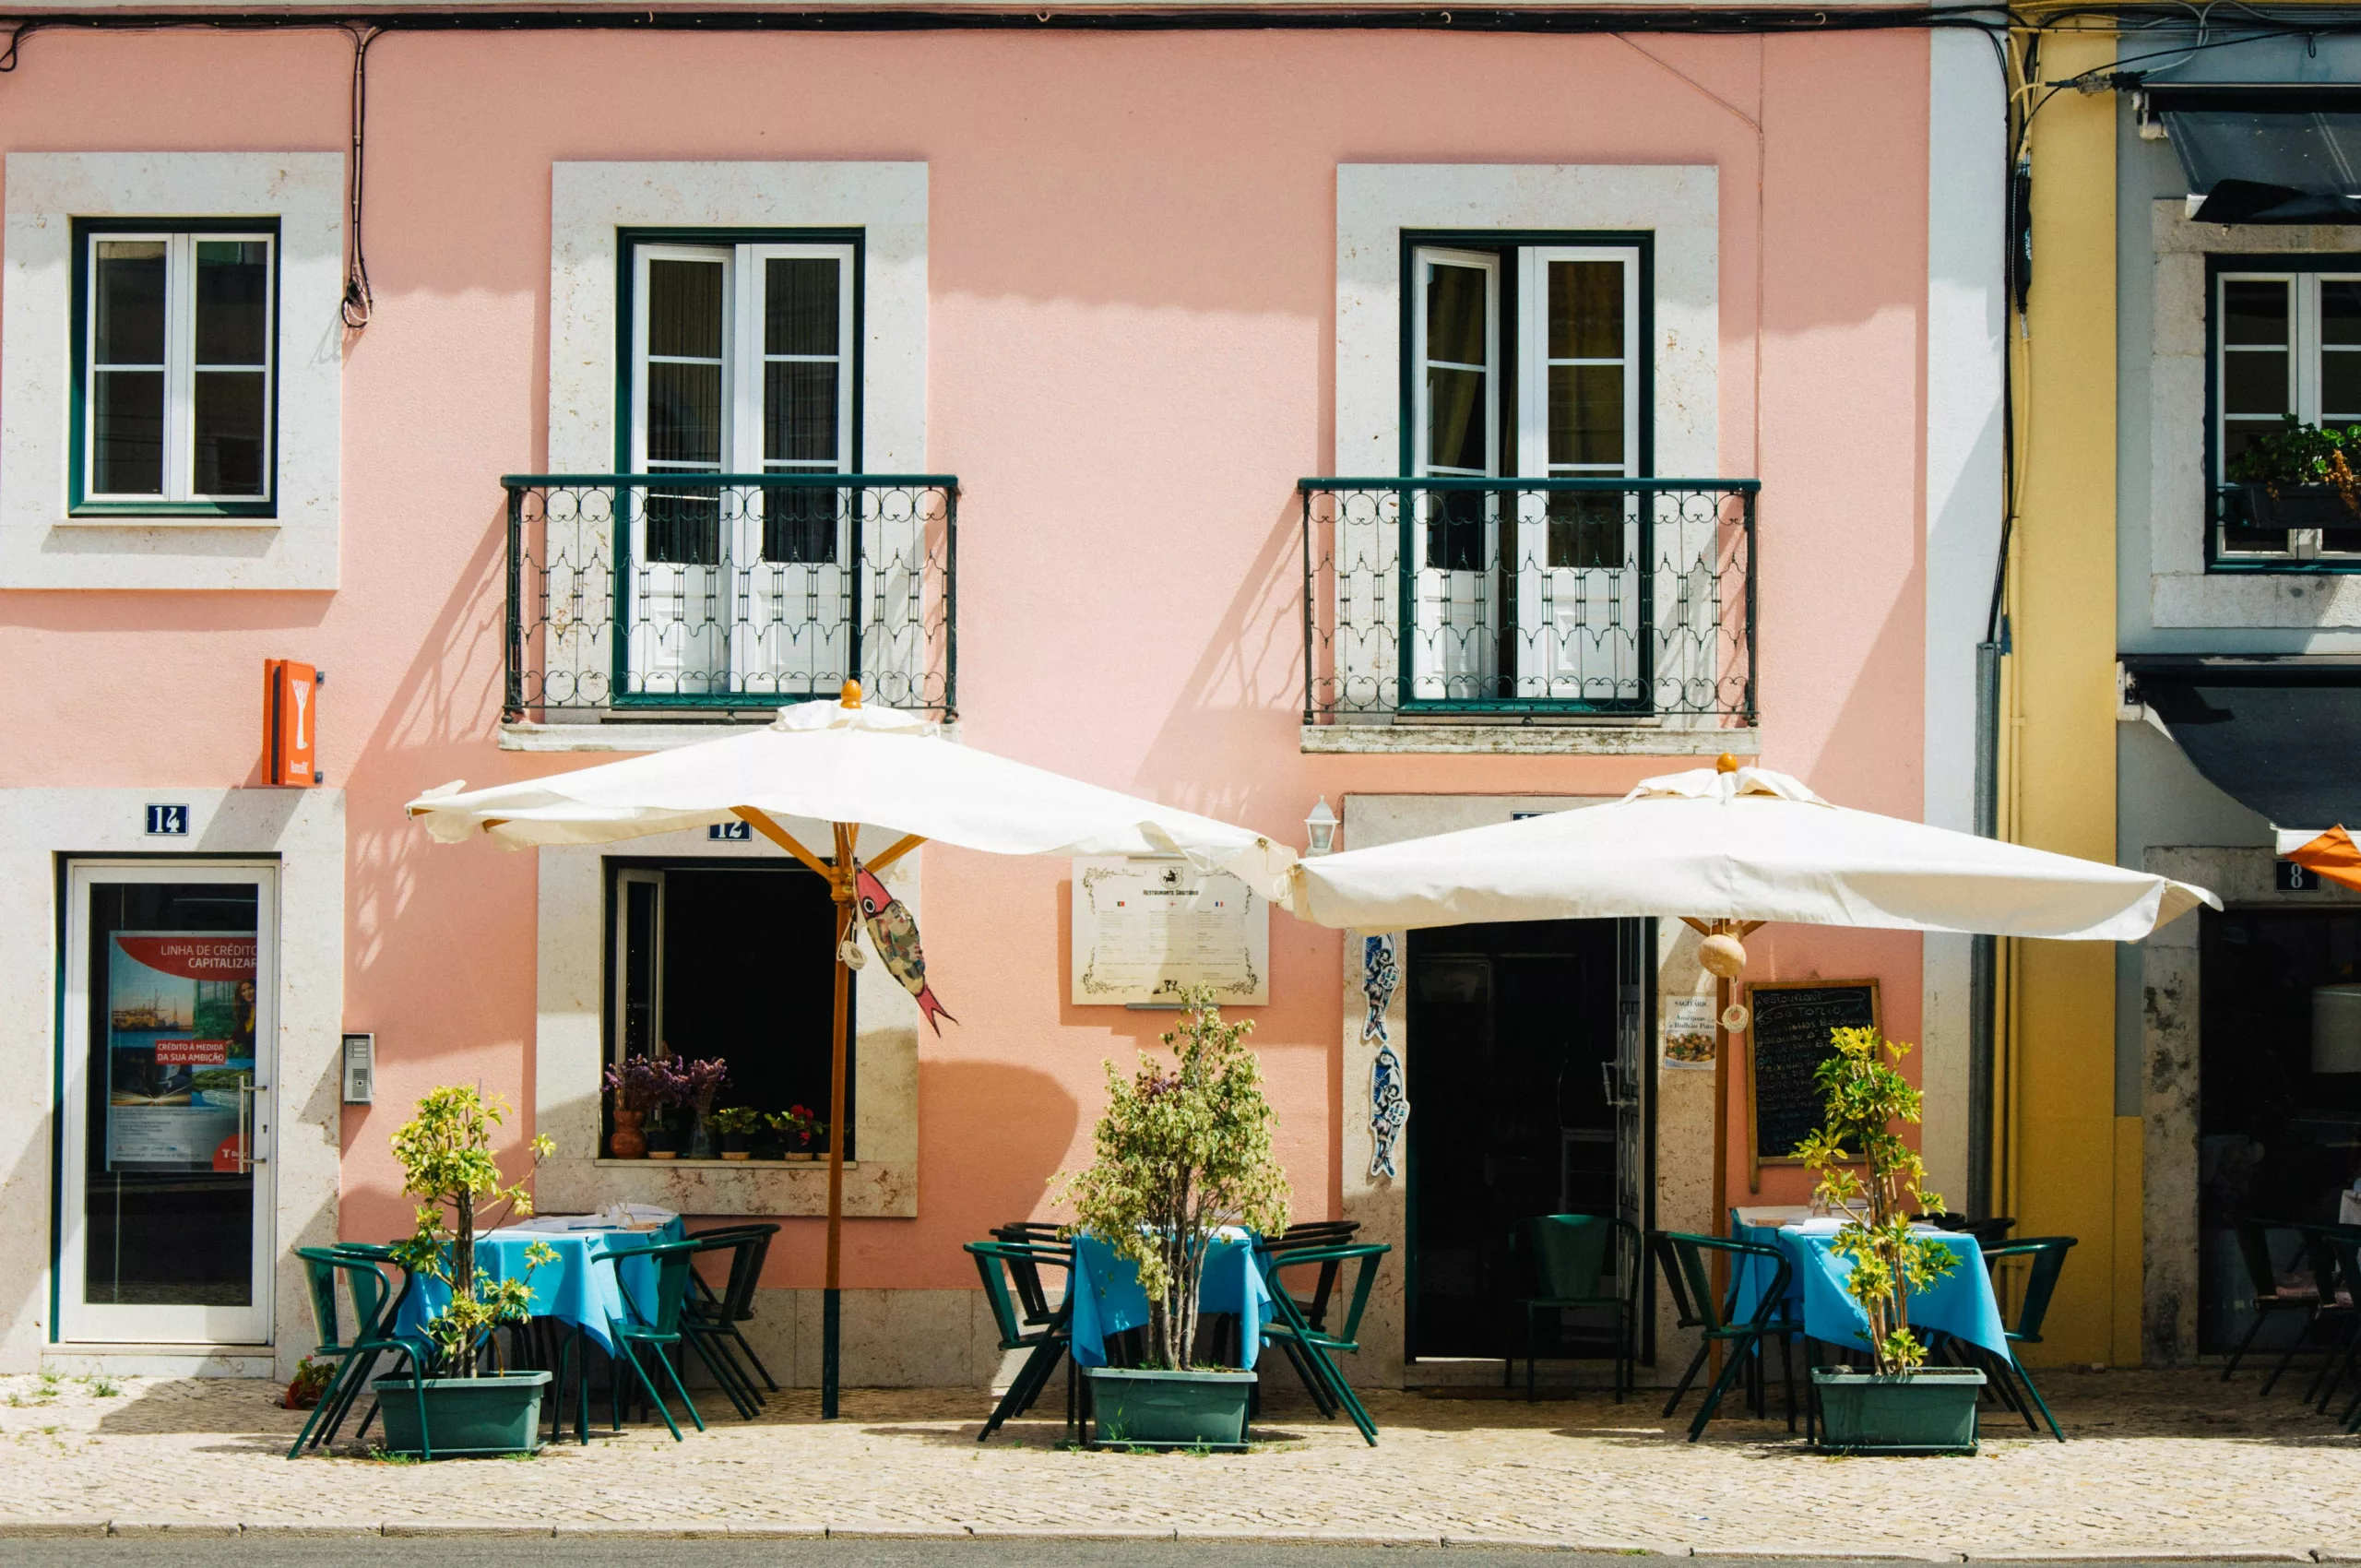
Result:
{"points": [[1786, 1042], [1147, 929], [180, 1045]]}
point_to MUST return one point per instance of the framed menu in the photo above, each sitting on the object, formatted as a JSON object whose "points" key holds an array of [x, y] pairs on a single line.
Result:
{"points": [[1148, 928], [1786, 1042]]}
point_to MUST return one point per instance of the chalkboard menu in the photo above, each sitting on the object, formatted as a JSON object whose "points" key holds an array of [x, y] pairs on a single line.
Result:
{"points": [[1786, 1044]]}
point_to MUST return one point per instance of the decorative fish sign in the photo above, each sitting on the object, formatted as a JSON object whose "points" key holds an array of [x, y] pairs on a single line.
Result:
{"points": [[894, 933]]}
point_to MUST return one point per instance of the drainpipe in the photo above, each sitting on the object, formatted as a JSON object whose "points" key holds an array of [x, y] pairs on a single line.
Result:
{"points": [[1984, 951]]}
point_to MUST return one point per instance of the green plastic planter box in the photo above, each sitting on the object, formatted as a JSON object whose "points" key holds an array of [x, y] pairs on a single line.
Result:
{"points": [[1131, 1408], [1931, 1410], [500, 1414]]}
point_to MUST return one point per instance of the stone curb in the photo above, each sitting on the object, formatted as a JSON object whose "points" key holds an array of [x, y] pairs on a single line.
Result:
{"points": [[625, 1530], [488, 1529], [2150, 1554], [24, 1529], [309, 1530], [151, 1527], [776, 1530]]}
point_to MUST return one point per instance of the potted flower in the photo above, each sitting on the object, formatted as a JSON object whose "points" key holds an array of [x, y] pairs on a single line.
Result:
{"points": [[637, 1086], [665, 1134], [736, 1123], [2300, 476], [700, 1081], [461, 1405], [797, 1128], [1900, 1403], [1183, 1150]]}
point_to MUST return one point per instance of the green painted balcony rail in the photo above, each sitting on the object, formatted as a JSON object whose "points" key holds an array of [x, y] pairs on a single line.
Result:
{"points": [[1534, 599], [654, 594]]}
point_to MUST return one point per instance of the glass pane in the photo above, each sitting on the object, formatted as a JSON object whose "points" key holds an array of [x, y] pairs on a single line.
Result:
{"points": [[800, 305], [2254, 311], [1455, 419], [1455, 315], [2254, 382], [233, 432], [684, 308], [128, 295], [2340, 387], [1586, 310], [168, 1215], [638, 1011], [1456, 530], [1586, 413], [1585, 530], [2239, 434], [127, 431], [799, 411], [684, 413], [233, 302], [2341, 310], [799, 525], [684, 524]]}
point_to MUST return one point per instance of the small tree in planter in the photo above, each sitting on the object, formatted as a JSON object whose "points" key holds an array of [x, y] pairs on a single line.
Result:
{"points": [[445, 1154], [1183, 1151], [1869, 1173]]}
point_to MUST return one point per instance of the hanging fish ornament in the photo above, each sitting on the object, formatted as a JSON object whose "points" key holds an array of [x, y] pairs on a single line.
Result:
{"points": [[894, 932]]}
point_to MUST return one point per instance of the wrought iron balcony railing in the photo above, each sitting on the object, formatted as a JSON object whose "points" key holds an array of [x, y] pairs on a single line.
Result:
{"points": [[1614, 598], [644, 594]]}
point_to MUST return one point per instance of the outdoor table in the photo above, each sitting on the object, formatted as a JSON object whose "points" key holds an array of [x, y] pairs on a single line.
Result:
{"points": [[576, 1289], [1960, 1304], [1107, 1297]]}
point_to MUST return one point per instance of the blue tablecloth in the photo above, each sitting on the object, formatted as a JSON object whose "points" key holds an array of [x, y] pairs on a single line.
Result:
{"points": [[1107, 1297], [576, 1289], [1961, 1303]]}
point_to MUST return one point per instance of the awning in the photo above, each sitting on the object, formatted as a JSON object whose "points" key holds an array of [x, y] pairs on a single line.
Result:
{"points": [[2265, 154], [2281, 735]]}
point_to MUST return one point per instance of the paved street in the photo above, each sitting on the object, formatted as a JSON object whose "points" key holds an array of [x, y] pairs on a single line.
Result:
{"points": [[2162, 1462]]}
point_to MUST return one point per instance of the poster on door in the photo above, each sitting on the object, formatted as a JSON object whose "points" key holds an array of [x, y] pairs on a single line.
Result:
{"points": [[180, 1044]]}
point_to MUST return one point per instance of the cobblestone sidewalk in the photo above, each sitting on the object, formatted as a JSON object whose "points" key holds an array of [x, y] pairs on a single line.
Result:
{"points": [[2162, 1464]]}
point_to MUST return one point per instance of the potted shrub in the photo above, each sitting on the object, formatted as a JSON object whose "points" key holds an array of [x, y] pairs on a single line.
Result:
{"points": [[637, 1087], [796, 1128], [1183, 1150], [2300, 476], [1901, 1403], [469, 1407], [736, 1124]]}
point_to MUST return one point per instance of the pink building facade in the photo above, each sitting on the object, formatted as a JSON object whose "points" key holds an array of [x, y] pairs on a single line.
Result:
{"points": [[1096, 301]]}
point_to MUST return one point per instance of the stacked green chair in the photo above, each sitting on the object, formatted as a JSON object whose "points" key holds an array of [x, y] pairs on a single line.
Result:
{"points": [[2048, 1255], [653, 1326], [710, 1317], [1047, 1339], [374, 1307], [2272, 1296], [1312, 1350], [1302, 1235], [1686, 1275], [1574, 1262]]}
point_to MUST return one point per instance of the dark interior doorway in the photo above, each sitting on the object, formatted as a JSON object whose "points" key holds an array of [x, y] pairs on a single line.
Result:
{"points": [[1527, 1097]]}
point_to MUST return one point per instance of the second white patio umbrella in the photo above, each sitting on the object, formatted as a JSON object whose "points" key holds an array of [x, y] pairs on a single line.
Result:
{"points": [[1727, 850], [810, 783]]}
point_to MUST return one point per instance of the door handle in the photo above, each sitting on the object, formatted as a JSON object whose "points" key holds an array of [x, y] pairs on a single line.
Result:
{"points": [[248, 1124]]}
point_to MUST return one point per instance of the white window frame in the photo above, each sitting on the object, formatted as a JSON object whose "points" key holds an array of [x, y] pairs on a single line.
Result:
{"points": [[2305, 351], [1421, 414], [743, 353], [1534, 362], [180, 368]]}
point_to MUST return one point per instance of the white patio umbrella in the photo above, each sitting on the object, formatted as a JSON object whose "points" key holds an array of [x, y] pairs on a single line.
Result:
{"points": [[1726, 850], [811, 782]]}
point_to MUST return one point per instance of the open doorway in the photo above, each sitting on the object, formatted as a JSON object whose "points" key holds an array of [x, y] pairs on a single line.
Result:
{"points": [[1525, 1056]]}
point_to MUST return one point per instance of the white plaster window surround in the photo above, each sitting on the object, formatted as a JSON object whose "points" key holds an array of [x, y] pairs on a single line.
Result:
{"points": [[1680, 205], [40, 546], [570, 1044], [304, 830], [591, 203], [2181, 591]]}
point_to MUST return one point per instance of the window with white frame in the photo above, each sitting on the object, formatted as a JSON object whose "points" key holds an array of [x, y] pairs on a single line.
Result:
{"points": [[742, 363], [175, 330], [1524, 362], [2287, 345]]}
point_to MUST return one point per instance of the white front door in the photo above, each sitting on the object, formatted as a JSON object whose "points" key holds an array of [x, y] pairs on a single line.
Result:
{"points": [[167, 1061]]}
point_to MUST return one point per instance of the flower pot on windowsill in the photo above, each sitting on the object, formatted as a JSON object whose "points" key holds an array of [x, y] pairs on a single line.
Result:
{"points": [[629, 1140], [663, 1143], [1929, 1410], [464, 1415], [737, 1146], [1137, 1408], [2277, 506]]}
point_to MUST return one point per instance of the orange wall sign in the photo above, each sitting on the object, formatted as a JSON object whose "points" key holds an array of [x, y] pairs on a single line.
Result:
{"points": [[290, 701]]}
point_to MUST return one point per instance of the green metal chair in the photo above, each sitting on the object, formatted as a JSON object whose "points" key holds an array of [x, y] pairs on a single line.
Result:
{"points": [[656, 1325], [1047, 1339], [1563, 1259], [710, 1317], [2048, 1255], [374, 1304], [2273, 1297], [1682, 1257], [1304, 1235], [1313, 1350]]}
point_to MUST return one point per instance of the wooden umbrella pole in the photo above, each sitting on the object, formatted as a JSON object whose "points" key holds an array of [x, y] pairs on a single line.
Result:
{"points": [[841, 881], [1720, 1226]]}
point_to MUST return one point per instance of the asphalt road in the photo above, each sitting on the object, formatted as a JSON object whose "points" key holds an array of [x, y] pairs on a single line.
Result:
{"points": [[447, 1552]]}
